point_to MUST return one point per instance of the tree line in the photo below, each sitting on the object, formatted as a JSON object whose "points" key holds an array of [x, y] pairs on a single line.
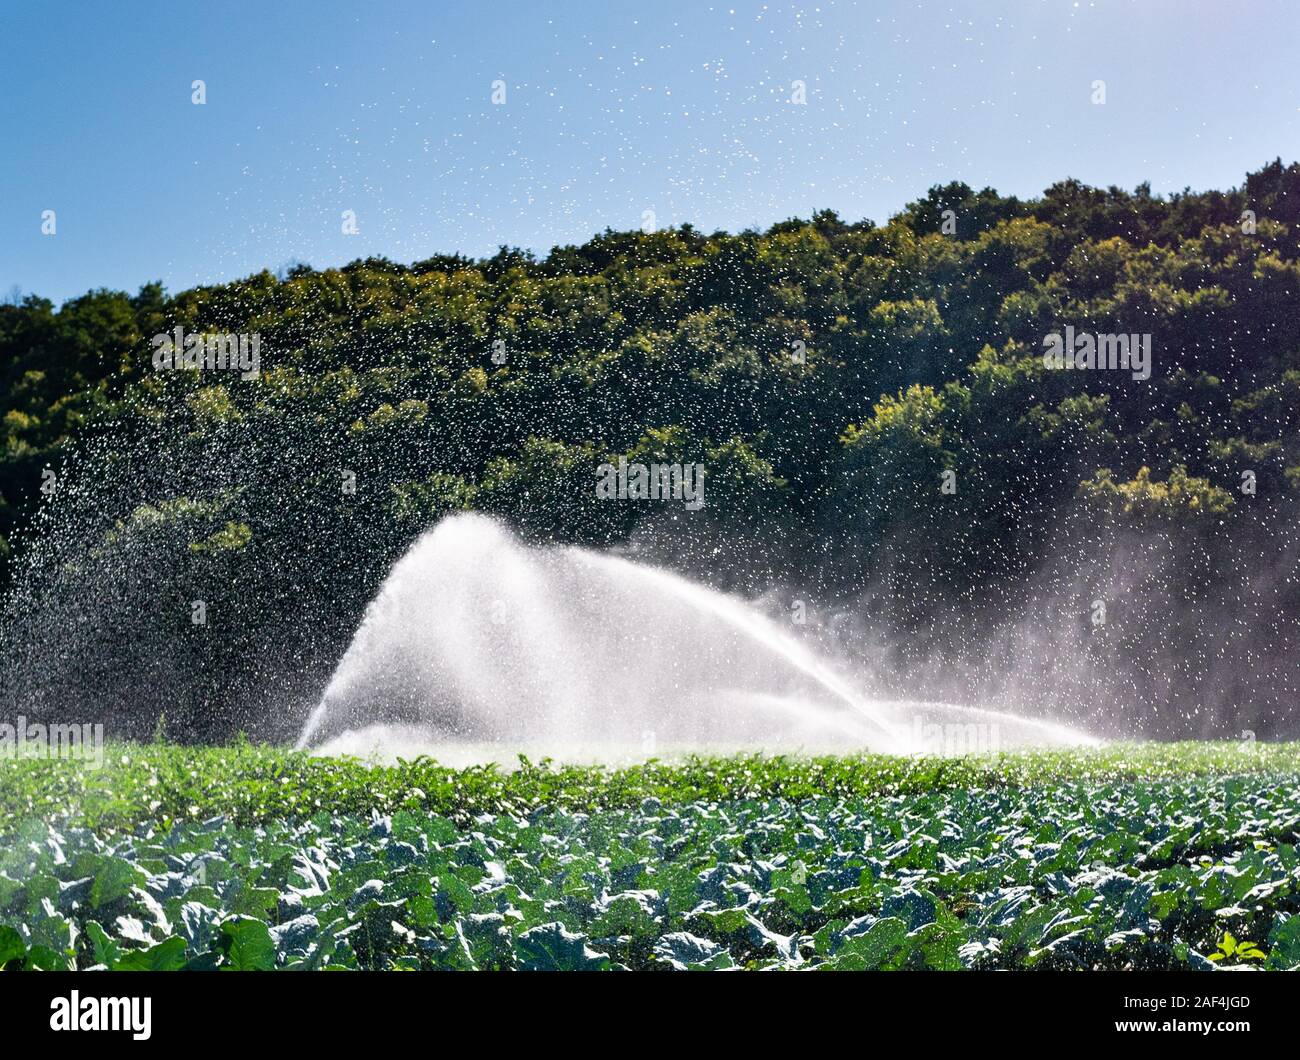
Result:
{"points": [[869, 403]]}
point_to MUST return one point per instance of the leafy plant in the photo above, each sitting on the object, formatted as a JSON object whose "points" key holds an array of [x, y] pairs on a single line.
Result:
{"points": [[1043, 860], [1230, 949]]}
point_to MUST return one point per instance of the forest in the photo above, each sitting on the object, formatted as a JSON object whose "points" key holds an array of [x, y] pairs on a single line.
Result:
{"points": [[879, 436]]}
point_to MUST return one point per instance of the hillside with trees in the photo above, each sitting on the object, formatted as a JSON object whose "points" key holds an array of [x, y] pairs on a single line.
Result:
{"points": [[825, 373]]}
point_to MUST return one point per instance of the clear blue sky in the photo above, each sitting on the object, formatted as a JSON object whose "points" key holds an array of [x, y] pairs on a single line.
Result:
{"points": [[612, 108]]}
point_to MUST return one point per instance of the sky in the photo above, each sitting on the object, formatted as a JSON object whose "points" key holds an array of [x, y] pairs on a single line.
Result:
{"points": [[614, 114]]}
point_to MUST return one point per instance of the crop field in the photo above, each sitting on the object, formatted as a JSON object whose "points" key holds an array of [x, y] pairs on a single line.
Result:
{"points": [[1150, 856]]}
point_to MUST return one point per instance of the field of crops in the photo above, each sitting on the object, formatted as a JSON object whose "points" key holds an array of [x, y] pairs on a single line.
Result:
{"points": [[1173, 856]]}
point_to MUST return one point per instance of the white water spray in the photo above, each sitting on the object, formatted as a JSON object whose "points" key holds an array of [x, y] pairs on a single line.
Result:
{"points": [[478, 647]]}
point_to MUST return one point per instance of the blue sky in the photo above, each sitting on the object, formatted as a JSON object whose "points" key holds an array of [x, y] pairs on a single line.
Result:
{"points": [[612, 109]]}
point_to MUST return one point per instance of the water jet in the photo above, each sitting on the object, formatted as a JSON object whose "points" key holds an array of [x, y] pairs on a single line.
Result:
{"points": [[478, 647]]}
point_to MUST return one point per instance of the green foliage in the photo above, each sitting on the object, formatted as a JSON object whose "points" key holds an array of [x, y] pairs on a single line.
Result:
{"points": [[604, 343], [166, 784], [828, 375], [1237, 952], [1181, 496], [1125, 857]]}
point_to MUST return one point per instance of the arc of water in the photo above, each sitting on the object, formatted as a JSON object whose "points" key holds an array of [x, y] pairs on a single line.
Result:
{"points": [[541, 669], [758, 629]]}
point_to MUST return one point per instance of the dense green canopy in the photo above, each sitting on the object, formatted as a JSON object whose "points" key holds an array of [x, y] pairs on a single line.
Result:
{"points": [[826, 375]]}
